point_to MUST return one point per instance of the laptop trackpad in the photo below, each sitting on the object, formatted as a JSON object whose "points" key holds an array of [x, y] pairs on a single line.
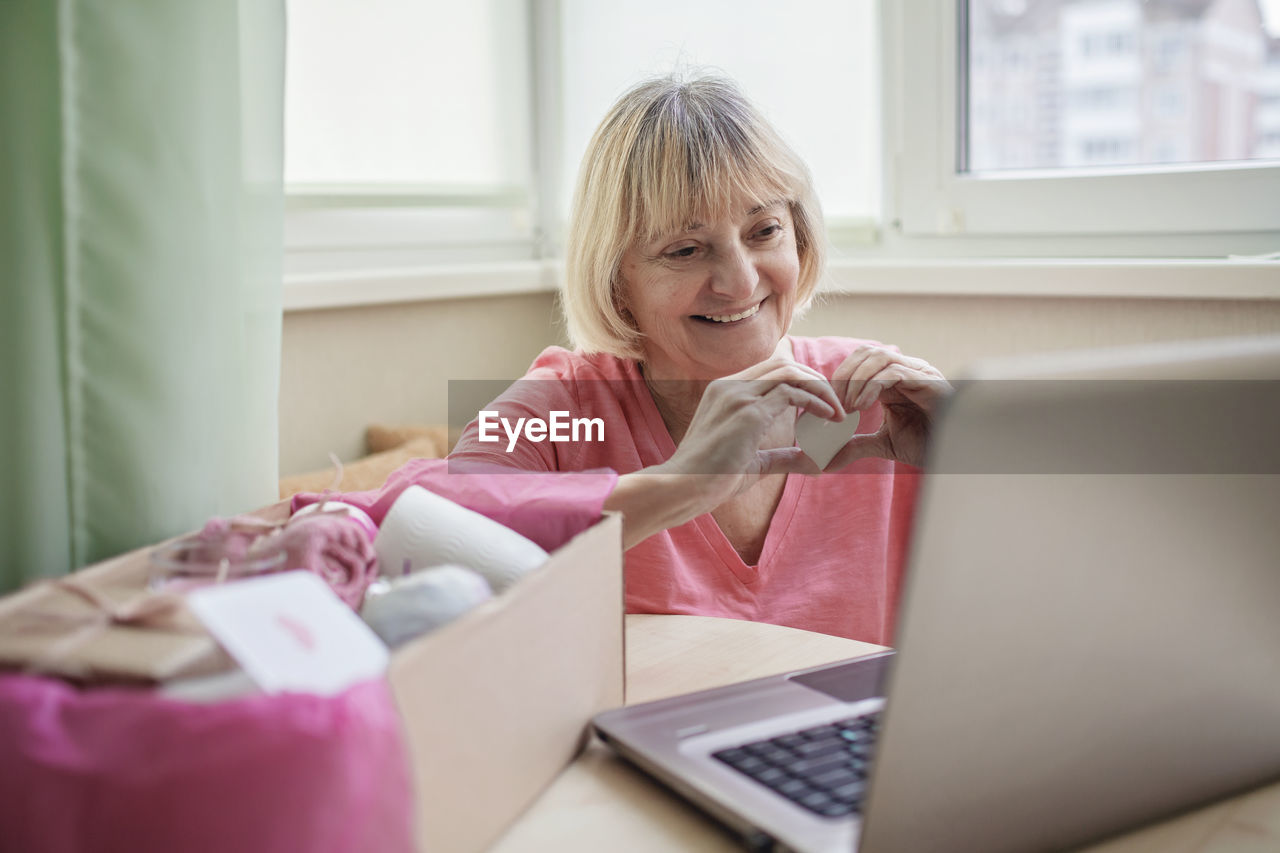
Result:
{"points": [[864, 678]]}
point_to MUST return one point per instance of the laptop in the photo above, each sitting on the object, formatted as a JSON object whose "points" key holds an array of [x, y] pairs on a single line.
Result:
{"points": [[1089, 637]]}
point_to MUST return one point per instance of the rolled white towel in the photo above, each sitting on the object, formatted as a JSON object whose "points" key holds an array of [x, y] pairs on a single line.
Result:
{"points": [[423, 529], [408, 607]]}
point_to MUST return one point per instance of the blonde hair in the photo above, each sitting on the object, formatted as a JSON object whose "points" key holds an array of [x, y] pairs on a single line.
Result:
{"points": [[669, 152]]}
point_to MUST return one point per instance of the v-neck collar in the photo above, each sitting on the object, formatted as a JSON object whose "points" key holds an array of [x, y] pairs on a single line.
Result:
{"points": [[706, 524]]}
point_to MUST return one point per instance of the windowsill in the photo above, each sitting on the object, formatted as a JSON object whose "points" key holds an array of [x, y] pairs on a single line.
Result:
{"points": [[1032, 278], [1104, 278], [352, 288]]}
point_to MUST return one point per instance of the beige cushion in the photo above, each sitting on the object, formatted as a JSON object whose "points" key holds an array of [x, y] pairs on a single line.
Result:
{"points": [[391, 447], [380, 437]]}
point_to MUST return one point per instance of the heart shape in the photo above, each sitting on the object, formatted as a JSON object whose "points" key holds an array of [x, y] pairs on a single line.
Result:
{"points": [[821, 439]]}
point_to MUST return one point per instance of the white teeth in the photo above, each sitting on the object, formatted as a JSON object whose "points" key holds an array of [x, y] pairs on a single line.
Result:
{"points": [[732, 317]]}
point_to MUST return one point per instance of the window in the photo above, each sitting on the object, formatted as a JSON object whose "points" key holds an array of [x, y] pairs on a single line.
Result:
{"points": [[389, 161], [811, 67], [1091, 135], [424, 132]]}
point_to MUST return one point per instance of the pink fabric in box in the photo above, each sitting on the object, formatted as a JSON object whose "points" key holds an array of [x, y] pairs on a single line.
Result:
{"points": [[116, 769], [549, 508]]}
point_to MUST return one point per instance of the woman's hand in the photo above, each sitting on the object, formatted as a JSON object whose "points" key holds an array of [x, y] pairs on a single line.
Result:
{"points": [[910, 391], [730, 443], [742, 419]]}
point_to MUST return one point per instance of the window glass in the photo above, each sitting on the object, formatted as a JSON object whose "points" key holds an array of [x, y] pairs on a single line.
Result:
{"points": [[810, 66], [422, 94], [1098, 83]]}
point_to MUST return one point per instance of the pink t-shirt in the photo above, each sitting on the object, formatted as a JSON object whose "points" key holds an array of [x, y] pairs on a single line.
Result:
{"points": [[833, 556]]}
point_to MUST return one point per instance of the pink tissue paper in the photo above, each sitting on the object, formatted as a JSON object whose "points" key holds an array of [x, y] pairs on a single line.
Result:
{"points": [[549, 508], [115, 769]]}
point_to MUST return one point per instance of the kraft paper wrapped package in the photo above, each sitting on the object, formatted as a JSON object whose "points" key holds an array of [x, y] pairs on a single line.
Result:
{"points": [[114, 769]]}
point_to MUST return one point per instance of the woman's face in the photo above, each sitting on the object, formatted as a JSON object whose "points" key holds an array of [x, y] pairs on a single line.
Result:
{"points": [[715, 297]]}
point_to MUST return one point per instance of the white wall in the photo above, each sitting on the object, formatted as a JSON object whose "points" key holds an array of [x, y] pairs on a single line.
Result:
{"points": [[344, 368]]}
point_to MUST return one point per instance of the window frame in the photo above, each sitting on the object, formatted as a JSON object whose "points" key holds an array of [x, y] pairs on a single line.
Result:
{"points": [[352, 245], [1235, 203], [348, 230], [353, 229]]}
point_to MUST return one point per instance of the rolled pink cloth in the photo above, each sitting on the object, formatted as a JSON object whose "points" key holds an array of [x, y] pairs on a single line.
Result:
{"points": [[332, 545], [223, 538], [329, 543]]}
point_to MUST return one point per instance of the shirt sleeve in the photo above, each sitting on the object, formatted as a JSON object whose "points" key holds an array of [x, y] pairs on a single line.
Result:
{"points": [[513, 430]]}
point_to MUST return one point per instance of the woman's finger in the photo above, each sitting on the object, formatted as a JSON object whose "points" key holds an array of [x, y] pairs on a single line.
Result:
{"points": [[784, 396], [786, 460], [865, 363], [818, 390], [818, 395], [921, 391], [767, 366], [860, 447], [858, 369]]}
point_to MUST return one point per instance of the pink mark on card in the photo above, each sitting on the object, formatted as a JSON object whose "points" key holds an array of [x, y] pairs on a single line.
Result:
{"points": [[300, 632]]}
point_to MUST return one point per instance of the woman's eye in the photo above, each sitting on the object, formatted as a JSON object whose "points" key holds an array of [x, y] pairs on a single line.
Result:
{"points": [[769, 231], [682, 253]]}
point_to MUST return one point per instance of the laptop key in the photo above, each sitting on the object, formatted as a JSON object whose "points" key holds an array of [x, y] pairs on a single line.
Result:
{"points": [[776, 756], [793, 789], [816, 766], [860, 751], [815, 748], [821, 732], [815, 801], [771, 776], [731, 756], [834, 778], [835, 809], [850, 793]]}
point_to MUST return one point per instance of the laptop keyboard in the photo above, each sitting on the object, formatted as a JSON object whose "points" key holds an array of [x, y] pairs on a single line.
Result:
{"points": [[824, 768]]}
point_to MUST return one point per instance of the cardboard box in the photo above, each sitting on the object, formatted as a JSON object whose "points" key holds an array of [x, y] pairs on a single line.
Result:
{"points": [[496, 704]]}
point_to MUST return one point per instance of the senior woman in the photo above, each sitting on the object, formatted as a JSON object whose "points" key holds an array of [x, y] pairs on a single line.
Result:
{"points": [[695, 239]]}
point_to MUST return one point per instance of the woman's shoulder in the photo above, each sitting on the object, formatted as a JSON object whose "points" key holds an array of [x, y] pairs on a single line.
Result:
{"points": [[826, 353], [560, 363]]}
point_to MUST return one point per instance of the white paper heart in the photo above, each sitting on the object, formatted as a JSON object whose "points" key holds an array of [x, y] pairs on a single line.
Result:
{"points": [[821, 439]]}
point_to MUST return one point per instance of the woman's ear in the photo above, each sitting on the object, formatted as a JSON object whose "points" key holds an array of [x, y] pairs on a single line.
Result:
{"points": [[620, 301]]}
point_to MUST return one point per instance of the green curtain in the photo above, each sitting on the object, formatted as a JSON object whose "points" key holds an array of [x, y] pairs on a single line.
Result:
{"points": [[140, 261]]}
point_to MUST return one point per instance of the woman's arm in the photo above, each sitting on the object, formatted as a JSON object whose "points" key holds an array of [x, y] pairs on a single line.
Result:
{"points": [[651, 501]]}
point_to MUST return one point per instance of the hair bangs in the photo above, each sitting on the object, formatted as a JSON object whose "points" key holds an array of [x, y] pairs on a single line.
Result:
{"points": [[695, 157]]}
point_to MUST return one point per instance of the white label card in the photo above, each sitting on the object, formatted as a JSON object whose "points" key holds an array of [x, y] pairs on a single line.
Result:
{"points": [[291, 633]]}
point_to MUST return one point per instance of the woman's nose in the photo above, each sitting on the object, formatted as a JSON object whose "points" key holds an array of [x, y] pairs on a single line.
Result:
{"points": [[735, 275]]}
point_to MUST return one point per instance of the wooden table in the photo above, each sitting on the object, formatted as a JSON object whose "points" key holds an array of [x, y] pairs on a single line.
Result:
{"points": [[602, 803]]}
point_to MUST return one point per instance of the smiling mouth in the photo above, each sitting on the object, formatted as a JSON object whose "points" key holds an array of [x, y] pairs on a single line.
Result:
{"points": [[730, 318]]}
